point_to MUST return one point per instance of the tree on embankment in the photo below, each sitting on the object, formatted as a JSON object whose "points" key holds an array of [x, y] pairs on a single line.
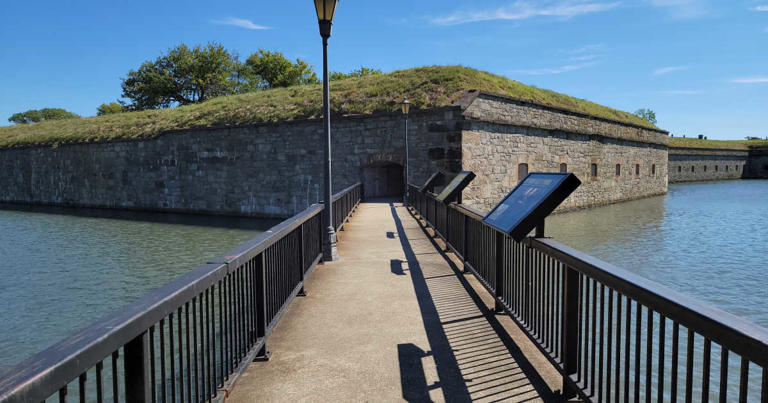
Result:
{"points": [[39, 115], [182, 76], [187, 75], [110, 109], [647, 114], [361, 72]]}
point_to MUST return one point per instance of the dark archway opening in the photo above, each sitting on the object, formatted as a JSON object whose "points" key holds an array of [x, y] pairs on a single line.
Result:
{"points": [[383, 179]]}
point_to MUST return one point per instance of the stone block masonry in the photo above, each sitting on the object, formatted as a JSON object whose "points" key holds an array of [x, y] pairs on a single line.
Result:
{"points": [[507, 138], [270, 170], [275, 169], [698, 164]]}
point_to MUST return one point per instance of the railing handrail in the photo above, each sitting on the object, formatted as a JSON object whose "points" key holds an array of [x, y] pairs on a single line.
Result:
{"points": [[248, 249], [738, 334], [734, 333], [340, 194], [83, 349]]}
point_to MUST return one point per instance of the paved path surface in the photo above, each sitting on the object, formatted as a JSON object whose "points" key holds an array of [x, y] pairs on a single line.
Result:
{"points": [[395, 320]]}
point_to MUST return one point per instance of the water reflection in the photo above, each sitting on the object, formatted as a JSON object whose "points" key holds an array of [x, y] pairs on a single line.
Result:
{"points": [[61, 269], [707, 240]]}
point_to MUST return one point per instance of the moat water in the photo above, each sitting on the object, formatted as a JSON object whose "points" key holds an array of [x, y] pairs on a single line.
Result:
{"points": [[61, 269], [708, 240]]}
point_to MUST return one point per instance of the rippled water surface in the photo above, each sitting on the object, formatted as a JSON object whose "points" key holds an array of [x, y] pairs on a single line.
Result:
{"points": [[60, 272], [707, 240]]}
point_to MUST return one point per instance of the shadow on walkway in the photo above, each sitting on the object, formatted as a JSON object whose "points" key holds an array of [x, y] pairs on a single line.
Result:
{"points": [[475, 358]]}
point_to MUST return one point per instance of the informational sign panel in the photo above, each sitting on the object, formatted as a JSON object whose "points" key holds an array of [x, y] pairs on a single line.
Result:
{"points": [[528, 204], [453, 190], [437, 177]]}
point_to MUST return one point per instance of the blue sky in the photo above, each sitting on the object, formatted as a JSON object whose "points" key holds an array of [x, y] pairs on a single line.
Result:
{"points": [[702, 65]]}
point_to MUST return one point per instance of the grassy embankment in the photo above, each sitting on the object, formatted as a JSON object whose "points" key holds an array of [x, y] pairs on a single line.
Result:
{"points": [[426, 87], [717, 144]]}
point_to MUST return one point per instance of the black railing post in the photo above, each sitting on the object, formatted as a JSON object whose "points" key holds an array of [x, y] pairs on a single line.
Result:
{"points": [[499, 288], [261, 305], [446, 224], [570, 320], [465, 242], [137, 374], [302, 259]]}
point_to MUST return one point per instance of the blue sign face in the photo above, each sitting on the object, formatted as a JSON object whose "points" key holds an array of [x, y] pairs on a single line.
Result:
{"points": [[536, 193]]}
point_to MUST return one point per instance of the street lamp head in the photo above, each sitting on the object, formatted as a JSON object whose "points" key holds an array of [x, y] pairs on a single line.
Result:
{"points": [[405, 106], [326, 10]]}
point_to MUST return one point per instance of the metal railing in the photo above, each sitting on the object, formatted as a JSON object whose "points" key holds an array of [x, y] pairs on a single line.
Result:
{"points": [[190, 339], [613, 335]]}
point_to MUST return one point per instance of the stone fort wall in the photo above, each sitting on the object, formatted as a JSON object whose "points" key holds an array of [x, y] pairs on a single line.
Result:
{"points": [[275, 169], [697, 164], [271, 170], [757, 164], [505, 138]]}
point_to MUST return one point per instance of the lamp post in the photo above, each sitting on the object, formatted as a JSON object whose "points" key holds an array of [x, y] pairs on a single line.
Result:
{"points": [[326, 9], [405, 106]]}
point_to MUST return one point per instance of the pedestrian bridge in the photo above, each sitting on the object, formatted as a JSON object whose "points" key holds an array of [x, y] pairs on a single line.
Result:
{"points": [[427, 303], [395, 318]]}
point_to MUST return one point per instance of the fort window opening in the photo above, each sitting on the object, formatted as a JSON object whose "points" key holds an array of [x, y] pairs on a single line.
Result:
{"points": [[693, 168], [717, 168], [726, 168], [563, 167], [637, 169], [618, 169], [522, 172], [705, 168], [679, 168], [593, 170], [653, 170]]}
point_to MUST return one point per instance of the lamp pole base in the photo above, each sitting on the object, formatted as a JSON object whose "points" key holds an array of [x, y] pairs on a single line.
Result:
{"points": [[330, 253]]}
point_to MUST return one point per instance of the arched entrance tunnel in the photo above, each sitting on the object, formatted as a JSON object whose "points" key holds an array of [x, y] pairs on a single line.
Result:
{"points": [[383, 179]]}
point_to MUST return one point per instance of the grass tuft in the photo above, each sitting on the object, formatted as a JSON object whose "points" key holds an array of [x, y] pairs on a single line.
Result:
{"points": [[426, 87]]}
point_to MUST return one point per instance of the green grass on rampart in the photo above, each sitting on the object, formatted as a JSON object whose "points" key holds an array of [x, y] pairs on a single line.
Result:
{"points": [[717, 144], [426, 87]]}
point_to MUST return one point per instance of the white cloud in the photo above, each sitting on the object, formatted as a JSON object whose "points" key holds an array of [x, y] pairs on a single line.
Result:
{"points": [[751, 80], [239, 22], [760, 8], [667, 70], [682, 8], [525, 9], [586, 49], [582, 58], [681, 92], [553, 70]]}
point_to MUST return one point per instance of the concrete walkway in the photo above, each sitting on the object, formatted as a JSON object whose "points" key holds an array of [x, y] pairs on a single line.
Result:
{"points": [[395, 320]]}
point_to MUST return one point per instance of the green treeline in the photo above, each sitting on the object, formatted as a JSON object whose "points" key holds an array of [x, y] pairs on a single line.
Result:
{"points": [[187, 75]]}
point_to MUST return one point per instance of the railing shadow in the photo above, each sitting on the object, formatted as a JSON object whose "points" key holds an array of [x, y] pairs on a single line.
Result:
{"points": [[475, 357]]}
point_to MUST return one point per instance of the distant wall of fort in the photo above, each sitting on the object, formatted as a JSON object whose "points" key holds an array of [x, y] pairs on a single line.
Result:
{"points": [[699, 164], [757, 164]]}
